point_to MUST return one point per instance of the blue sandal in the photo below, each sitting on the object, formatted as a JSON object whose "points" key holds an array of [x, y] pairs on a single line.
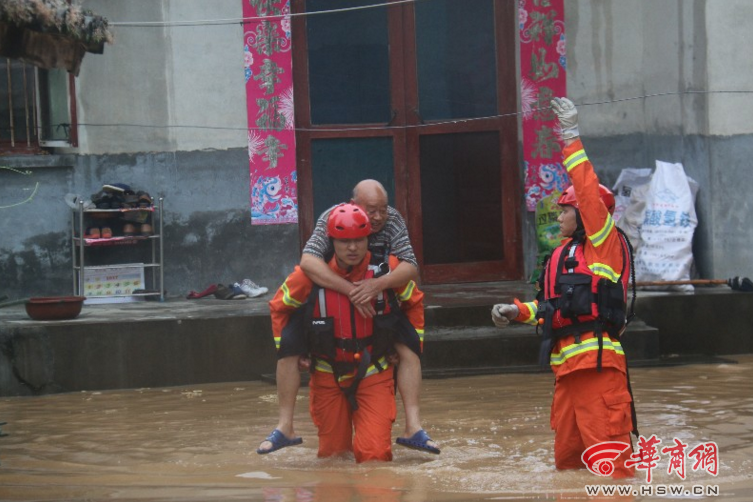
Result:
{"points": [[418, 441], [279, 441]]}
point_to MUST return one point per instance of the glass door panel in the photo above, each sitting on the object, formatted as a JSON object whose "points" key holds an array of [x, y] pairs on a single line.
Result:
{"points": [[348, 60], [461, 198], [456, 59], [338, 164]]}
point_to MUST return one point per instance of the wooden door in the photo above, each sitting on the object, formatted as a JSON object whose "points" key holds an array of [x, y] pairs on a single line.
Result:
{"points": [[421, 97]]}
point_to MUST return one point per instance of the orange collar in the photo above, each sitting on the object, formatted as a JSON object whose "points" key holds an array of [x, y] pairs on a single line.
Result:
{"points": [[356, 273]]}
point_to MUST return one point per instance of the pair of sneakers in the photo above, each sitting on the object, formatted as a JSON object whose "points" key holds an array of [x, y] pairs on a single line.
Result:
{"points": [[238, 291]]}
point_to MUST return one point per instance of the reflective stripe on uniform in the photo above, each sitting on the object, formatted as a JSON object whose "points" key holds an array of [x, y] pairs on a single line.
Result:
{"points": [[420, 334], [532, 308], [599, 237], [575, 159], [604, 270], [277, 342], [576, 349], [287, 299], [406, 293], [325, 367]]}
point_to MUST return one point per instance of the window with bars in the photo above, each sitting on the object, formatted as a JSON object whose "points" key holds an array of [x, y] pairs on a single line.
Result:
{"points": [[36, 108]]}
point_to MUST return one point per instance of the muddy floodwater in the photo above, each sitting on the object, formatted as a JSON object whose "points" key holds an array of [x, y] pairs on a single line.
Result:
{"points": [[198, 443]]}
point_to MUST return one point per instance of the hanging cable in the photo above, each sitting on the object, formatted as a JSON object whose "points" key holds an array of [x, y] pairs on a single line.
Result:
{"points": [[245, 20], [411, 126]]}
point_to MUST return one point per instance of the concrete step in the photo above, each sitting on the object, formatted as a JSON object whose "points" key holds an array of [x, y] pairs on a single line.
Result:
{"points": [[182, 342], [487, 349]]}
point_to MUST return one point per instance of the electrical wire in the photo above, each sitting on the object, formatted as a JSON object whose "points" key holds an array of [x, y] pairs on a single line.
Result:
{"points": [[245, 20], [416, 126], [396, 127]]}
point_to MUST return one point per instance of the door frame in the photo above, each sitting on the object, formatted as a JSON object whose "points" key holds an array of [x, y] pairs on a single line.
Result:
{"points": [[506, 123], [406, 128]]}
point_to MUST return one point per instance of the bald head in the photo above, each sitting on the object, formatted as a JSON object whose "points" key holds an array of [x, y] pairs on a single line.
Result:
{"points": [[369, 189], [371, 195]]}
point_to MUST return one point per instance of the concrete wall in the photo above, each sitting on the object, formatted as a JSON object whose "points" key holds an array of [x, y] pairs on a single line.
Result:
{"points": [[187, 77], [665, 49], [153, 76]]}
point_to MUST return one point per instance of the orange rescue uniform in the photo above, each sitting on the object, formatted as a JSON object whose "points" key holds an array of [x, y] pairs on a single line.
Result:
{"points": [[328, 405], [589, 406]]}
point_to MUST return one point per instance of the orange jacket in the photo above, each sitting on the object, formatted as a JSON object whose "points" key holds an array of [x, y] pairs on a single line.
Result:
{"points": [[295, 291], [603, 253]]}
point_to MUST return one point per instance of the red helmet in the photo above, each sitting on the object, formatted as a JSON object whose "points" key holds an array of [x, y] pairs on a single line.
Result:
{"points": [[568, 198], [348, 221]]}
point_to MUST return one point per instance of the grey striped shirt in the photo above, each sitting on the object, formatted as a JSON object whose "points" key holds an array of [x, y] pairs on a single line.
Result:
{"points": [[394, 234]]}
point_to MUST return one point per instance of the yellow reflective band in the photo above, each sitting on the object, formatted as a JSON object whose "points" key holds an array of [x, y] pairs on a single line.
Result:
{"points": [[420, 334], [532, 308], [325, 367], [407, 292], [603, 270], [575, 159], [599, 237], [287, 299], [576, 349], [277, 342]]}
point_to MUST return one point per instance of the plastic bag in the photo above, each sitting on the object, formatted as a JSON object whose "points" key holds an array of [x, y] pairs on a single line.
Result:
{"points": [[666, 233], [548, 235]]}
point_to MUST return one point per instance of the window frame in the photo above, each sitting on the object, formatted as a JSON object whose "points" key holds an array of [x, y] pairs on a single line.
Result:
{"points": [[35, 143]]}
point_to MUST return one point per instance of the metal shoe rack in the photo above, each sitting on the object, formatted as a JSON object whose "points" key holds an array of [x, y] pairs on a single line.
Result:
{"points": [[79, 244]]}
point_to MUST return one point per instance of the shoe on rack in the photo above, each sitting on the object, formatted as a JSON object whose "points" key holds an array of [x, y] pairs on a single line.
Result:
{"points": [[251, 289], [129, 230], [106, 233], [146, 229], [130, 200], [92, 233], [116, 187], [144, 199], [102, 199]]}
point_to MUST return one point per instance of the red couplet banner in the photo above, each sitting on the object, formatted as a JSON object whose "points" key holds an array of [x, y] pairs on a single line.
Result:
{"points": [[269, 101], [543, 76]]}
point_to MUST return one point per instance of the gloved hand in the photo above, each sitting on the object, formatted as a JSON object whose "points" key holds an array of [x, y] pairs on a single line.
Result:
{"points": [[503, 313], [568, 117]]}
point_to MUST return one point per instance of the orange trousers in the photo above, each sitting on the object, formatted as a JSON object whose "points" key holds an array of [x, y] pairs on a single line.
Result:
{"points": [[589, 408], [372, 422]]}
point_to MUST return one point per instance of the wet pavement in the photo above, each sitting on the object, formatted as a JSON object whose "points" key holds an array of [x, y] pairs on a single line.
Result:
{"points": [[197, 443]]}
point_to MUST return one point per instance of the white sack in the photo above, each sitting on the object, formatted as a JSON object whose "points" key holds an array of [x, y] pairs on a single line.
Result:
{"points": [[629, 179], [665, 252], [633, 214]]}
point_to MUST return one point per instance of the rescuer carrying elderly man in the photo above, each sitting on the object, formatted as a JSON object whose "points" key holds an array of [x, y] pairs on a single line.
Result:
{"points": [[389, 237], [582, 312], [352, 385]]}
